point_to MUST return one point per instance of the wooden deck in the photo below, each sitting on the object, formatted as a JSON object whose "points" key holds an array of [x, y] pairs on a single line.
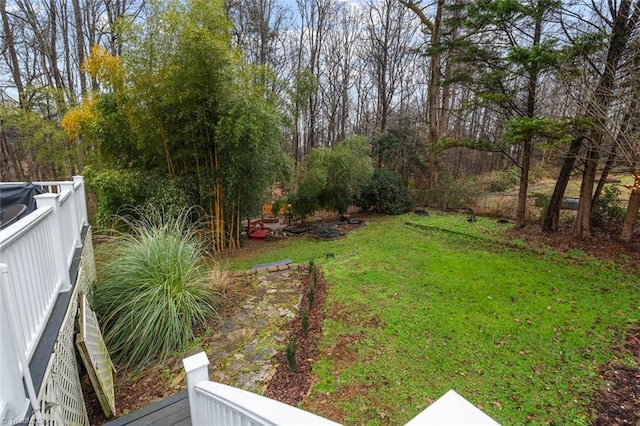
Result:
{"points": [[171, 411]]}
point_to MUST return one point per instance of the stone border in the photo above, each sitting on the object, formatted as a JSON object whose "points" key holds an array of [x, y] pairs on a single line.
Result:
{"points": [[265, 269]]}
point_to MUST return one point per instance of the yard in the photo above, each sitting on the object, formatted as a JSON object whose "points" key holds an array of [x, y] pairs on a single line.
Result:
{"points": [[530, 328], [420, 305]]}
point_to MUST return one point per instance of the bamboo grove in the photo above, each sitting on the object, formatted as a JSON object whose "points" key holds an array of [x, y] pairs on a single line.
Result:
{"points": [[182, 108]]}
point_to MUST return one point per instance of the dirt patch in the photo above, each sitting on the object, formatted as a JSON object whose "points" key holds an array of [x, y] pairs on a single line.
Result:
{"points": [[288, 386], [617, 402]]}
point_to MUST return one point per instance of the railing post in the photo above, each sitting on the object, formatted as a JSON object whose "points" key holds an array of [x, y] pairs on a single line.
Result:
{"points": [[69, 186], [59, 249], [196, 368], [81, 198]]}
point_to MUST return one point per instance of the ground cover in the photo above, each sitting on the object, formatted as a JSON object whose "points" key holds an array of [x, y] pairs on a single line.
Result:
{"points": [[413, 311]]}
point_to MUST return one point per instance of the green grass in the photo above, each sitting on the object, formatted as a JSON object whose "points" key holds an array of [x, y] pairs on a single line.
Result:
{"points": [[422, 310]]}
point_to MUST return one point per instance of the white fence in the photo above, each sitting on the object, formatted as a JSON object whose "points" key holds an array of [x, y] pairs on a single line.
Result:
{"points": [[217, 404], [35, 255]]}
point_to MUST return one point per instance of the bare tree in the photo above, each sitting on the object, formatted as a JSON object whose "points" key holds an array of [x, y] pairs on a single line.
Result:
{"points": [[338, 66], [391, 48], [620, 18]]}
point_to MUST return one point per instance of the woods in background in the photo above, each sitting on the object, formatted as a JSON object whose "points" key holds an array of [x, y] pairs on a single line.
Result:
{"points": [[210, 102]]}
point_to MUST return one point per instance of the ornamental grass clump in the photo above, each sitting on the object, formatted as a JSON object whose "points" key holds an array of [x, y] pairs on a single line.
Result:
{"points": [[155, 290]]}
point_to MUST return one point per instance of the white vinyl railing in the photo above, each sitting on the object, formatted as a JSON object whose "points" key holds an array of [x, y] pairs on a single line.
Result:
{"points": [[217, 404], [36, 253]]}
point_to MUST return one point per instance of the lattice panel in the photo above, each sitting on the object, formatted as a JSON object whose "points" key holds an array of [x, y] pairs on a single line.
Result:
{"points": [[61, 399], [87, 271], [49, 407], [96, 357]]}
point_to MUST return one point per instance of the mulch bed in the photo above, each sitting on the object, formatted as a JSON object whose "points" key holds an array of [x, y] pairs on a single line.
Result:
{"points": [[291, 387], [604, 244], [617, 402]]}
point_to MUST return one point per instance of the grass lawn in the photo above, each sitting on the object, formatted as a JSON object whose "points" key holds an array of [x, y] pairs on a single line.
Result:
{"points": [[414, 311]]}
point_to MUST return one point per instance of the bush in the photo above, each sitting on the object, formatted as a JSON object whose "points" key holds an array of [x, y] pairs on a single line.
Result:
{"points": [[501, 180], [325, 231], [333, 177], [292, 348], [156, 289], [385, 193], [303, 203], [608, 208], [117, 189]]}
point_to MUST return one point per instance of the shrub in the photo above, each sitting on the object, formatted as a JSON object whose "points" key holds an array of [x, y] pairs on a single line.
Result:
{"points": [[117, 189], [326, 231], [292, 347], [311, 296], [333, 177], [501, 180], [385, 193], [155, 290], [608, 208], [303, 203], [305, 322]]}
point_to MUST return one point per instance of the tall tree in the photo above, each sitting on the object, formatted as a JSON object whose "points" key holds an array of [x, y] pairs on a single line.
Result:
{"points": [[621, 20], [508, 39], [390, 49], [196, 112], [440, 21]]}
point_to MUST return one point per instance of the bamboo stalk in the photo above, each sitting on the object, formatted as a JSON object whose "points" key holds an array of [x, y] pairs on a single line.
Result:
{"points": [[167, 154]]}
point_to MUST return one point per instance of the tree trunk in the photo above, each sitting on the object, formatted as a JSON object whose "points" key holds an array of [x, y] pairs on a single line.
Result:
{"points": [[521, 210], [623, 26], [527, 149], [433, 98], [9, 168], [552, 215], [77, 13], [13, 54], [632, 211], [585, 207], [604, 175]]}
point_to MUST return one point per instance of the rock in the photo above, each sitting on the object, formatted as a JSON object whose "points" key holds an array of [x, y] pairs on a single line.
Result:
{"points": [[242, 349], [238, 334]]}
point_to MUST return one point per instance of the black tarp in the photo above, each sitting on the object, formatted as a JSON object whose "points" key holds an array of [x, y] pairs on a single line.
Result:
{"points": [[19, 193]]}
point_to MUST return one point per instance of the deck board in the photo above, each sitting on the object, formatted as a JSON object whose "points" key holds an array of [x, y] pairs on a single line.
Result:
{"points": [[168, 412]]}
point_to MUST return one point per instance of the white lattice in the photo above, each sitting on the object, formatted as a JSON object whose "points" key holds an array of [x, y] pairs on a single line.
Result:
{"points": [[87, 271], [61, 399], [96, 357]]}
